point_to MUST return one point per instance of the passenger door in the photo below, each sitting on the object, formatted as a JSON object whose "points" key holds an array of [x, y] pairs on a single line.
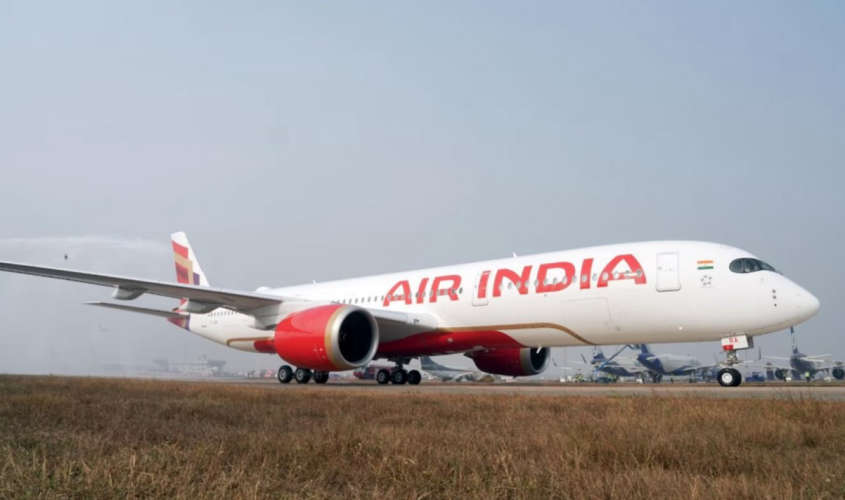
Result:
{"points": [[668, 272]]}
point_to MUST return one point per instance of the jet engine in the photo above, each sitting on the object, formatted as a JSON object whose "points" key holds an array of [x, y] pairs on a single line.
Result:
{"points": [[513, 361], [838, 373], [330, 337]]}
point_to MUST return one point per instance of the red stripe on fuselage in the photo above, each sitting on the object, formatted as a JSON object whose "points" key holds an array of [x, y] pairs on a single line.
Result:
{"points": [[442, 342]]}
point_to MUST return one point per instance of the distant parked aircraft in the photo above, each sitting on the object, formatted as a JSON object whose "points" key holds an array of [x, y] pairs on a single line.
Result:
{"points": [[804, 366], [446, 373], [370, 372], [659, 365], [617, 366]]}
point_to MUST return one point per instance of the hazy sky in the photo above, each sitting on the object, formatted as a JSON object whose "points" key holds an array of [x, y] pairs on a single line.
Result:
{"points": [[296, 141]]}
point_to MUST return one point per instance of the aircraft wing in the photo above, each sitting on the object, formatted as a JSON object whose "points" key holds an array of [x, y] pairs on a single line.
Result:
{"points": [[820, 357], [130, 288], [264, 307]]}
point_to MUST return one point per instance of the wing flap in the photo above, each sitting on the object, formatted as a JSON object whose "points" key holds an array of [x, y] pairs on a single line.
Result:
{"points": [[163, 313]]}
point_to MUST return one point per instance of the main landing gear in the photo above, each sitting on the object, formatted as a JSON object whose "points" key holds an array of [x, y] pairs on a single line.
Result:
{"points": [[398, 375], [285, 374], [301, 375], [729, 376]]}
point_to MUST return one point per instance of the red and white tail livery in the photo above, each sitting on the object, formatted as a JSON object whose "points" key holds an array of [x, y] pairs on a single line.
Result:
{"points": [[188, 270]]}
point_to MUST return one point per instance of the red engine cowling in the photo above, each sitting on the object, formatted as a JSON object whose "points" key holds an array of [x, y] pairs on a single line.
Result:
{"points": [[331, 337], [512, 361]]}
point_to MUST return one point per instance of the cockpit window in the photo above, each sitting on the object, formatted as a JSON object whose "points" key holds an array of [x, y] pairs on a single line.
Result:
{"points": [[749, 265]]}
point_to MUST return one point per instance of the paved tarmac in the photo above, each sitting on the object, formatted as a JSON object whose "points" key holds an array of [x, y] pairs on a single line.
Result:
{"points": [[817, 390]]}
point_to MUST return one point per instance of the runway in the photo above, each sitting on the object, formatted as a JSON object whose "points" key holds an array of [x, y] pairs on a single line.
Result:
{"points": [[832, 392]]}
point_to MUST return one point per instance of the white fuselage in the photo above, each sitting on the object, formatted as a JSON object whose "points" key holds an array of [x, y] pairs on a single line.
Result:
{"points": [[662, 291]]}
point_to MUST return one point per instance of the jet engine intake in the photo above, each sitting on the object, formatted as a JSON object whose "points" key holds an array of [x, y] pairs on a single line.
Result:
{"points": [[326, 338]]}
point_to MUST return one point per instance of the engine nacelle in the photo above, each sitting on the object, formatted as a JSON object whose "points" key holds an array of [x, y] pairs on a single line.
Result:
{"points": [[514, 361], [330, 337], [838, 373]]}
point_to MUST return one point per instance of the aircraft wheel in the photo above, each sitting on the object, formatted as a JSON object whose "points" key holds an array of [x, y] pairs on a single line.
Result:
{"points": [[321, 377], [285, 374], [729, 377], [399, 377], [302, 375], [383, 376], [414, 377]]}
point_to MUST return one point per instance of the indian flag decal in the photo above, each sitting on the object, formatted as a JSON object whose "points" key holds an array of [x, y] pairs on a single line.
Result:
{"points": [[703, 265]]}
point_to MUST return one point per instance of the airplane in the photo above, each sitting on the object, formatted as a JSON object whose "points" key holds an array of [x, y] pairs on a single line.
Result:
{"points": [[617, 366], [504, 314], [659, 365], [445, 373], [806, 367]]}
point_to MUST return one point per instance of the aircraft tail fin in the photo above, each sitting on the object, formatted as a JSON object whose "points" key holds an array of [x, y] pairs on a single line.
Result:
{"points": [[188, 270], [426, 363], [643, 348]]}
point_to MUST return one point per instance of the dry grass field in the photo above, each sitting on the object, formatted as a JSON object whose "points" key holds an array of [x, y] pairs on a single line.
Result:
{"points": [[78, 437]]}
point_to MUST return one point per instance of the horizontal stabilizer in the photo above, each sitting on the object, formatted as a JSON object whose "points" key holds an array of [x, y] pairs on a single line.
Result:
{"points": [[163, 313]]}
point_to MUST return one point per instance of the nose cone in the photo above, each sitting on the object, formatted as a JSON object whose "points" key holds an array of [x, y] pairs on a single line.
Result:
{"points": [[806, 303], [812, 305]]}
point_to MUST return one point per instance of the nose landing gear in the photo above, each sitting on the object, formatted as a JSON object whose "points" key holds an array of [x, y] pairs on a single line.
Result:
{"points": [[729, 376]]}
